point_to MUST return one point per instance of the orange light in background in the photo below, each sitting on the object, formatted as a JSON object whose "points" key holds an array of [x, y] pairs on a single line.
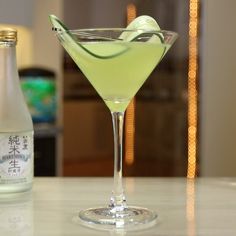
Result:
{"points": [[129, 133], [131, 12], [130, 112], [192, 87]]}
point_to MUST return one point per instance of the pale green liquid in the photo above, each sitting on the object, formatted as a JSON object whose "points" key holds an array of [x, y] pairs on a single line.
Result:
{"points": [[118, 77]]}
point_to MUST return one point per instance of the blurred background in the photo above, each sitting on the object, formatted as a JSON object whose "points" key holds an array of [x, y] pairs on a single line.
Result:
{"points": [[183, 122]]}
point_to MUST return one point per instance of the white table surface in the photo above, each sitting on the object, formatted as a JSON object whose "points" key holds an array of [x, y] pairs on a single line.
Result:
{"points": [[203, 207]]}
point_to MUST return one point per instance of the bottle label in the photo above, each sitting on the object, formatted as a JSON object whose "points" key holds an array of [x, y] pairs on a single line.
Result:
{"points": [[16, 158]]}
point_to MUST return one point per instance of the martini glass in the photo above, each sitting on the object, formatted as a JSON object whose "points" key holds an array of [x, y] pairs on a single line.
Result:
{"points": [[117, 62]]}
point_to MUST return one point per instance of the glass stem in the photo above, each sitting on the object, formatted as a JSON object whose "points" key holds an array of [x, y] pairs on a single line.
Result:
{"points": [[118, 202]]}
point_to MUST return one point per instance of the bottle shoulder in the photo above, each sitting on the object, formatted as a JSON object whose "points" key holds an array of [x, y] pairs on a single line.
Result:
{"points": [[15, 118]]}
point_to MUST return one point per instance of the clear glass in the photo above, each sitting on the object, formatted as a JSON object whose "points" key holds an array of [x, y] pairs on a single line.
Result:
{"points": [[103, 56]]}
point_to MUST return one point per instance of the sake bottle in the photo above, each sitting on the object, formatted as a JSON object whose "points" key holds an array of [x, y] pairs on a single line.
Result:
{"points": [[16, 127]]}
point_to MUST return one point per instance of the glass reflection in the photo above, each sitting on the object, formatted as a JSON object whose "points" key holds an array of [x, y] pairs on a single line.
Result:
{"points": [[190, 207], [16, 215]]}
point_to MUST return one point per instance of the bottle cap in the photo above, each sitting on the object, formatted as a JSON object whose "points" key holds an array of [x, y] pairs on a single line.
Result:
{"points": [[8, 35]]}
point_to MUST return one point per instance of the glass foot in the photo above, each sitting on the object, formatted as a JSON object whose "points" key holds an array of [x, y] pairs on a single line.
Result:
{"points": [[108, 218]]}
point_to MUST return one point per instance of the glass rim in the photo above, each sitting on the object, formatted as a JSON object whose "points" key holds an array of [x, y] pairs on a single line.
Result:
{"points": [[116, 30], [86, 30], [113, 34]]}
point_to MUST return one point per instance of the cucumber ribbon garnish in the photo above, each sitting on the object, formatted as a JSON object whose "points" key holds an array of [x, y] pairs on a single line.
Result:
{"points": [[67, 36]]}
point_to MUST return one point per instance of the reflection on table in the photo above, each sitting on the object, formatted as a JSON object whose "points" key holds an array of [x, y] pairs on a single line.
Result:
{"points": [[185, 207]]}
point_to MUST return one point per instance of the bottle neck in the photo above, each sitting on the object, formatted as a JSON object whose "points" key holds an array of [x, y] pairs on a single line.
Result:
{"points": [[7, 58], [14, 115]]}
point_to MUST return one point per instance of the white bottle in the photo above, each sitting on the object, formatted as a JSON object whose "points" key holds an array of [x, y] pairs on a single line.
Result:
{"points": [[16, 127]]}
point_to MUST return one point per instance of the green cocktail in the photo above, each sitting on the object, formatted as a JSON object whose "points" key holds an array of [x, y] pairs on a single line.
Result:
{"points": [[117, 62], [118, 77]]}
